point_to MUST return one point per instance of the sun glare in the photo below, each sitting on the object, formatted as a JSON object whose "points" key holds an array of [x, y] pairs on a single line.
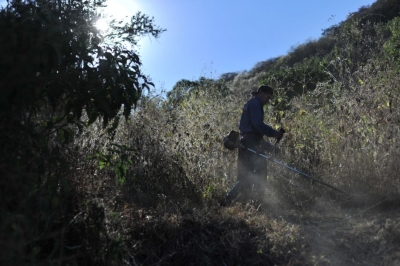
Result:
{"points": [[116, 9], [102, 25]]}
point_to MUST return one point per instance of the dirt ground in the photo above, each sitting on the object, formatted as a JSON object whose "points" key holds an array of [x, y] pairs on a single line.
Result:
{"points": [[275, 233], [346, 234], [297, 225]]}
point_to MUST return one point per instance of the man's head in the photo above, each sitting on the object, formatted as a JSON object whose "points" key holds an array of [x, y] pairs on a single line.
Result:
{"points": [[265, 92]]}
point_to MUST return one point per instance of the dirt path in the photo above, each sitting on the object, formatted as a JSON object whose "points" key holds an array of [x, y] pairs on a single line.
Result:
{"points": [[335, 235]]}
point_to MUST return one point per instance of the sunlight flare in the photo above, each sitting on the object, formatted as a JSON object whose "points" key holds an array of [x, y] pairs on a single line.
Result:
{"points": [[118, 10]]}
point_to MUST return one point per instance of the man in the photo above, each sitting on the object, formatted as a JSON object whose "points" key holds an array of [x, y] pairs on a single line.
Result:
{"points": [[252, 168]]}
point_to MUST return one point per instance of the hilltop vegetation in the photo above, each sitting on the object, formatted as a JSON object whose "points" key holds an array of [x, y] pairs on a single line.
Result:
{"points": [[96, 173]]}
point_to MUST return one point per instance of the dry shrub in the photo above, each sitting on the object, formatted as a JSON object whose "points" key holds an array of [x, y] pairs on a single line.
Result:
{"points": [[349, 136], [181, 148]]}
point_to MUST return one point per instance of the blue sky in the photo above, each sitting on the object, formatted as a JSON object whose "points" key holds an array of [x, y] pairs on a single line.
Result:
{"points": [[212, 37]]}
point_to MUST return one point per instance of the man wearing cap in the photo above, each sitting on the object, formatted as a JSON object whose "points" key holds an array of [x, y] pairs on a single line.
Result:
{"points": [[252, 169]]}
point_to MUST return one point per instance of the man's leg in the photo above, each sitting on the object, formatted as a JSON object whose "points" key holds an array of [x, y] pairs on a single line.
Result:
{"points": [[260, 176], [247, 174], [242, 186]]}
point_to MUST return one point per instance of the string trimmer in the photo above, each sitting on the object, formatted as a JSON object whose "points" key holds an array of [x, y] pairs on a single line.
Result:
{"points": [[232, 141]]}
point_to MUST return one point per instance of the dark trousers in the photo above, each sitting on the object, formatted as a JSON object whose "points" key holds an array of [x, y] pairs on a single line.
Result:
{"points": [[252, 169]]}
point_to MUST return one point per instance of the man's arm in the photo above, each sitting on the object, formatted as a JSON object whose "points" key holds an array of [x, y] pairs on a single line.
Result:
{"points": [[257, 120]]}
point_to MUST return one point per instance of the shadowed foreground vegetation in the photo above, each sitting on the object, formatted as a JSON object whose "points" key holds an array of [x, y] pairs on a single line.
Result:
{"points": [[81, 185]]}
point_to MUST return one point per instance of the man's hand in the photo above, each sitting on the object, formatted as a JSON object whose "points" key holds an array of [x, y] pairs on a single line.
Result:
{"points": [[267, 147], [279, 134]]}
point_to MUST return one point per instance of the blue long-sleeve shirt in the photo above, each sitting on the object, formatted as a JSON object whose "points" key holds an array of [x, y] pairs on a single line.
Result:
{"points": [[252, 120]]}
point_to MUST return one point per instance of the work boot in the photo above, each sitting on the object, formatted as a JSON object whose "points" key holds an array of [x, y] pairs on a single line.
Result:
{"points": [[258, 205], [228, 199], [225, 202], [231, 197]]}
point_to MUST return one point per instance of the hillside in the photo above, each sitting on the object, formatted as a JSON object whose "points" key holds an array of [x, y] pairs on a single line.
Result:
{"points": [[96, 173], [356, 39]]}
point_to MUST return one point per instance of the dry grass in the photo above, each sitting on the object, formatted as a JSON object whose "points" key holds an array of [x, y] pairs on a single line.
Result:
{"points": [[295, 226]]}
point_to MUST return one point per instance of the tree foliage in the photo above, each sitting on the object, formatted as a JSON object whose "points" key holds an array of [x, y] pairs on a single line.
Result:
{"points": [[58, 58], [58, 74]]}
